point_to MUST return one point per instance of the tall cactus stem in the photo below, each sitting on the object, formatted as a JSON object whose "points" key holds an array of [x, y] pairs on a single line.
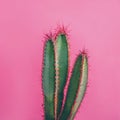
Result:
{"points": [[48, 79], [61, 60]]}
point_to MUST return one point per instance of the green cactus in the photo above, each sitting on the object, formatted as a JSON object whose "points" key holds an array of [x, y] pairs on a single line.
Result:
{"points": [[55, 75]]}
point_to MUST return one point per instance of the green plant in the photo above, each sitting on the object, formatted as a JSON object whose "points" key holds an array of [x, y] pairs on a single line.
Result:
{"points": [[55, 76]]}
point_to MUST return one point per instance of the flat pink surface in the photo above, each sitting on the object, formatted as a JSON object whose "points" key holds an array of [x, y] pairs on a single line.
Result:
{"points": [[94, 24]]}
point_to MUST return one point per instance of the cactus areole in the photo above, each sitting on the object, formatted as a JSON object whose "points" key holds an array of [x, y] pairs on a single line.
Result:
{"points": [[55, 76]]}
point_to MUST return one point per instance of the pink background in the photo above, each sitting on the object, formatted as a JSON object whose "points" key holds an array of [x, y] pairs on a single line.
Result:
{"points": [[94, 24]]}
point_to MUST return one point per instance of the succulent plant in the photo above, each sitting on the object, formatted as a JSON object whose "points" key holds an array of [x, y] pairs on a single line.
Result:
{"points": [[55, 76]]}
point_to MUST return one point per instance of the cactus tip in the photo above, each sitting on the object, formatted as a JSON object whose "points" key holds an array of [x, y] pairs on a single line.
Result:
{"points": [[84, 52], [61, 29], [48, 36]]}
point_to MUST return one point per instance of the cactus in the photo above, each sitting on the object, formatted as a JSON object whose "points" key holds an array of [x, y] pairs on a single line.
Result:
{"points": [[55, 76]]}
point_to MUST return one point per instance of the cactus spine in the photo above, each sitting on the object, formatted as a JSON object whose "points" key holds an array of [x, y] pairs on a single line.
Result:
{"points": [[54, 78]]}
